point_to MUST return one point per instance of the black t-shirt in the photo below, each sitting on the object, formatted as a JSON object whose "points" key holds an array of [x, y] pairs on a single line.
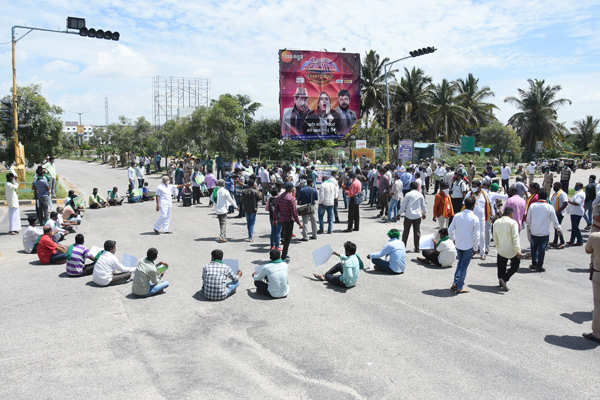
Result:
{"points": [[590, 192]]}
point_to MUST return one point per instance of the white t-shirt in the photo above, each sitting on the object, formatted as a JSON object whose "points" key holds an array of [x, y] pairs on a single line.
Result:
{"points": [[164, 192], [578, 198], [30, 236], [458, 189], [131, 173], [506, 172], [531, 169], [105, 266]]}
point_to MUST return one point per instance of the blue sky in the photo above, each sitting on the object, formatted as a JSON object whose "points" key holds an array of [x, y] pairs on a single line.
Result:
{"points": [[235, 44]]}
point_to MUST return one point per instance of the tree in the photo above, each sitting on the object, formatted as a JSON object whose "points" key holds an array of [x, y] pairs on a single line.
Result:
{"points": [[471, 97], [536, 119], [448, 116], [411, 101], [226, 132], [586, 130], [503, 141], [372, 81], [265, 131], [40, 128]]}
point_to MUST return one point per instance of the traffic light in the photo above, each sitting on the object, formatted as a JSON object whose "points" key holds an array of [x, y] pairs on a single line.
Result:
{"points": [[421, 52], [99, 33]]}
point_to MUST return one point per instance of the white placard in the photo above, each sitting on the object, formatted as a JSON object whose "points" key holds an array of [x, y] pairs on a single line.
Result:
{"points": [[361, 144], [129, 260], [321, 255], [427, 242], [233, 264]]}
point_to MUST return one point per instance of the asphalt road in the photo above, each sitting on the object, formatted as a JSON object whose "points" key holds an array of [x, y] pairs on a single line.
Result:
{"points": [[390, 337]]}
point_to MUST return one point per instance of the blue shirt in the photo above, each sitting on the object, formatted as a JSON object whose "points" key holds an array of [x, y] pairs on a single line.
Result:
{"points": [[397, 252], [307, 195], [41, 187], [406, 178]]}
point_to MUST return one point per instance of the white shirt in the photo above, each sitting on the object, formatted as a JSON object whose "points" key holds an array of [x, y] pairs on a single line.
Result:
{"points": [[413, 205], [458, 189], [224, 200], [578, 198], [441, 172], [56, 229], [337, 187], [264, 175], [540, 219], [131, 173], [30, 236], [428, 171], [464, 229], [562, 199], [139, 172], [105, 266], [12, 199], [531, 169], [164, 193], [506, 172], [327, 192], [397, 189]]}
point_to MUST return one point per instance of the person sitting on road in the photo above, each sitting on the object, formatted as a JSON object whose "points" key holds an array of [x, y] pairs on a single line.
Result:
{"points": [[76, 255], [69, 216], [113, 197], [32, 235], [147, 195], [397, 255], [214, 278], [444, 252], [272, 279], [64, 223], [48, 251], [58, 233], [72, 198], [97, 201], [132, 196], [147, 280], [348, 268], [108, 269]]}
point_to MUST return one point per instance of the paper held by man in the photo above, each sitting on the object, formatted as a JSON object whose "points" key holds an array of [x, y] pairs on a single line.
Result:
{"points": [[321, 255]]}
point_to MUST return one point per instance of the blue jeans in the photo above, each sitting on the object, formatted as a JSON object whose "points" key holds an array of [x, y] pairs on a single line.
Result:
{"points": [[159, 287], [393, 209], [275, 234], [250, 221], [464, 258], [587, 215], [575, 232], [58, 258], [231, 287], [321, 213], [538, 249], [382, 265]]}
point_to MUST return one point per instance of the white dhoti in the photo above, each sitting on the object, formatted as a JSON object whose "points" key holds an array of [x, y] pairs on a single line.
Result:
{"points": [[482, 224], [14, 219], [162, 224]]}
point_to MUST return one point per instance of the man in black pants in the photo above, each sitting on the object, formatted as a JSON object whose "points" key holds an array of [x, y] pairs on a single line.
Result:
{"points": [[286, 214], [506, 238], [353, 190]]}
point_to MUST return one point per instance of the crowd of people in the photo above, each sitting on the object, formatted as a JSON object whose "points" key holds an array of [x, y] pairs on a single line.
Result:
{"points": [[471, 208]]}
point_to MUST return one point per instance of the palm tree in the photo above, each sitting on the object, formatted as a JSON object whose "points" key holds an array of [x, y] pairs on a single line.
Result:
{"points": [[372, 81], [586, 129], [472, 97], [536, 118], [412, 96], [447, 114]]}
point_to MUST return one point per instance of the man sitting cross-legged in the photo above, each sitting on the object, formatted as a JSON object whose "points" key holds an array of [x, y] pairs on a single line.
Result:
{"points": [[147, 279], [108, 269], [215, 276], [348, 268], [272, 278], [76, 255]]}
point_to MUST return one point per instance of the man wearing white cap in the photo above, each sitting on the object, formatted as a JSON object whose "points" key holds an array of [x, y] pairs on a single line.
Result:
{"points": [[293, 118]]}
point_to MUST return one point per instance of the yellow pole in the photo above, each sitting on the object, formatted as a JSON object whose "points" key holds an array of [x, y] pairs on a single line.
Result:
{"points": [[387, 137], [19, 151]]}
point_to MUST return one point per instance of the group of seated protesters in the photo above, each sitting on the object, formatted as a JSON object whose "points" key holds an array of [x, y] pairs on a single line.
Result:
{"points": [[114, 199]]}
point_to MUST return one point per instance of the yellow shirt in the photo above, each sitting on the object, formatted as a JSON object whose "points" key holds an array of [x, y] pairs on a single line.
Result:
{"points": [[506, 237]]}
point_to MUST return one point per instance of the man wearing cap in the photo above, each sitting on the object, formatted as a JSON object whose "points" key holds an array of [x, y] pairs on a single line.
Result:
{"points": [[293, 118], [394, 251]]}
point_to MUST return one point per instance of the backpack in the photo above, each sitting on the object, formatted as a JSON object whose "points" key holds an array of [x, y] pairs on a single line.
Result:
{"points": [[360, 197]]}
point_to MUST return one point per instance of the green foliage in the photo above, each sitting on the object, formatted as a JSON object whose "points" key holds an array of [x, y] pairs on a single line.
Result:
{"points": [[503, 141], [585, 132], [40, 129]]}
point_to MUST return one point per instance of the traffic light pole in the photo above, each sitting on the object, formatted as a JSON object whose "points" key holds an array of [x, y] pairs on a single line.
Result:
{"points": [[19, 150], [386, 68]]}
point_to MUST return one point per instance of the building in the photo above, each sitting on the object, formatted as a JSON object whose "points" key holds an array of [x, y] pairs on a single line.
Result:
{"points": [[71, 128]]}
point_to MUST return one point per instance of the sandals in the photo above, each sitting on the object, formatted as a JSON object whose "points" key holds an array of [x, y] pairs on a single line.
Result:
{"points": [[319, 277]]}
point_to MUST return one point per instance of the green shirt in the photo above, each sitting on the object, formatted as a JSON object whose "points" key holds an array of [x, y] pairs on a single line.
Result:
{"points": [[145, 275], [350, 272], [51, 169]]}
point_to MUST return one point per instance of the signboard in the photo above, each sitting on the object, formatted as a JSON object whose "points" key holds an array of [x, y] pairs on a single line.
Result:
{"points": [[319, 94], [80, 129], [369, 154], [467, 144], [539, 145], [405, 150], [361, 144]]}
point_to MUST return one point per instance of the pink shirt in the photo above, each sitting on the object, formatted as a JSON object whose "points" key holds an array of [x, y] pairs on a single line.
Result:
{"points": [[517, 203], [354, 188]]}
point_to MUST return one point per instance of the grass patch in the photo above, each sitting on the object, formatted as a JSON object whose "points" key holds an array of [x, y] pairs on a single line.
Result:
{"points": [[25, 192]]}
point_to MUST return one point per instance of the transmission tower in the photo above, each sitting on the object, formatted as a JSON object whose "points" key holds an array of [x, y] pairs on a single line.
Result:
{"points": [[106, 111], [176, 97]]}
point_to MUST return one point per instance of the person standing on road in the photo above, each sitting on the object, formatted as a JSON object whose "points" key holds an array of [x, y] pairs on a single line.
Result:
{"points": [[458, 190], [327, 195], [590, 196], [222, 202], [593, 247], [250, 198], [309, 198], [483, 211], [576, 210], [464, 229], [286, 214], [131, 174], [395, 199], [548, 180], [164, 205], [12, 201], [414, 210], [505, 173], [565, 176], [443, 211], [540, 218], [353, 190], [559, 202], [508, 247], [139, 173], [531, 172], [439, 175], [51, 170], [41, 191]]}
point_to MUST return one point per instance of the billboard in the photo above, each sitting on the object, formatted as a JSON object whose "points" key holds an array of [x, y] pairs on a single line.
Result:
{"points": [[319, 94]]}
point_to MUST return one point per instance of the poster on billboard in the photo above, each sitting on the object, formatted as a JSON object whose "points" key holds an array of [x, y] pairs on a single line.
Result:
{"points": [[319, 94], [405, 150]]}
